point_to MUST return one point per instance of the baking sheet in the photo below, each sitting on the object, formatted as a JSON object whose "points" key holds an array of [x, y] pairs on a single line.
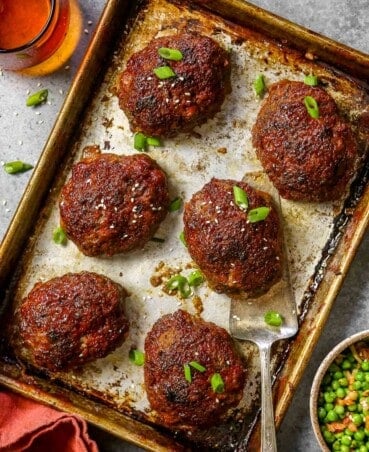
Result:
{"points": [[221, 148]]}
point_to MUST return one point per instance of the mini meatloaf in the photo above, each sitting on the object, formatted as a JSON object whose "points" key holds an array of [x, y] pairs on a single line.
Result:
{"points": [[113, 204], [185, 399], [234, 254], [164, 107], [71, 320], [307, 159]]}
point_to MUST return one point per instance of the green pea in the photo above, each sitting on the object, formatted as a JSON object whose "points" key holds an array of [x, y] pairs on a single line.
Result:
{"points": [[365, 365], [339, 409], [363, 448], [357, 418], [329, 397], [359, 376], [346, 440], [359, 435], [332, 416], [321, 413], [328, 436], [328, 407], [343, 381], [346, 364], [335, 385], [344, 448], [356, 385], [337, 375], [336, 445], [340, 393], [352, 407]]}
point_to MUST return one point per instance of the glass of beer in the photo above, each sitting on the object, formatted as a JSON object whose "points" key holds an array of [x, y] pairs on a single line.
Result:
{"points": [[38, 36]]}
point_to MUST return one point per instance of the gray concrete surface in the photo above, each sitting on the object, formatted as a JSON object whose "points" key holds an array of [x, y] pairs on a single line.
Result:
{"points": [[24, 132]]}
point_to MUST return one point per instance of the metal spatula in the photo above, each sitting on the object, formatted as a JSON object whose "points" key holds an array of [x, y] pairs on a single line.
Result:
{"points": [[246, 322]]}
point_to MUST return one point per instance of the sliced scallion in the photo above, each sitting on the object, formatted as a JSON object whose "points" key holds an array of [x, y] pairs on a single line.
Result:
{"points": [[258, 214], [195, 278], [17, 167], [311, 80], [217, 383], [259, 85], [137, 357], [182, 238], [37, 98], [59, 236], [164, 72], [139, 141], [179, 283], [240, 197], [187, 372], [175, 205], [312, 106], [170, 54], [197, 366], [273, 318], [153, 141]]}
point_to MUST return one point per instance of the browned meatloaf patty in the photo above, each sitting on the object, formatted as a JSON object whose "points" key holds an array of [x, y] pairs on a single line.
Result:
{"points": [[176, 340], [307, 159], [177, 104], [113, 204], [234, 254], [71, 320]]}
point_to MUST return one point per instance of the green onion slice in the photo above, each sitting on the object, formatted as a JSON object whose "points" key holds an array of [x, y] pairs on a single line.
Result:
{"points": [[182, 238], [312, 106], [195, 278], [153, 141], [197, 366], [180, 283], [170, 54], [164, 72], [139, 141], [17, 167], [273, 318], [311, 80], [59, 236], [176, 204], [217, 383], [259, 85], [37, 98], [187, 372], [240, 198], [137, 357], [258, 214]]}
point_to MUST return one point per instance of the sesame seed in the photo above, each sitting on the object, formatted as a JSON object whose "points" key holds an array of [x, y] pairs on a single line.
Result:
{"points": [[111, 226], [236, 317], [132, 199], [89, 22], [7, 210], [5, 202], [149, 78], [86, 31], [265, 247], [187, 93], [60, 91], [181, 78], [134, 221]]}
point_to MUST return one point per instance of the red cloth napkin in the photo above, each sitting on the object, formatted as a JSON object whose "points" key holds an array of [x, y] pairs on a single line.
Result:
{"points": [[27, 426]]}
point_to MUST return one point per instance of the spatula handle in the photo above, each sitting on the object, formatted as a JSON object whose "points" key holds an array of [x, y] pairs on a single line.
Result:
{"points": [[268, 438]]}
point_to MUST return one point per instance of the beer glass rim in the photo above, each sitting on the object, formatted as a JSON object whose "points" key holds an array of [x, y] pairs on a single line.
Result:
{"points": [[38, 36]]}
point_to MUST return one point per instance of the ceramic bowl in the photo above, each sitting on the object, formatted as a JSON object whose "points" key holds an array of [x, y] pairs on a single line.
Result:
{"points": [[327, 361]]}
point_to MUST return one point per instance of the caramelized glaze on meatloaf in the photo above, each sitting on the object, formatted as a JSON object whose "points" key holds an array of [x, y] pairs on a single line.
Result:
{"points": [[113, 204], [234, 254], [164, 107], [176, 340], [307, 159], [71, 320]]}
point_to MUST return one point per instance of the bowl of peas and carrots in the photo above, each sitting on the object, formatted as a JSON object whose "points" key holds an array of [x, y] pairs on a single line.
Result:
{"points": [[339, 401]]}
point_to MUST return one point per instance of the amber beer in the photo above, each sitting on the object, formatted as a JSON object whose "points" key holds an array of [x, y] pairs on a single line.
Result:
{"points": [[38, 36]]}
